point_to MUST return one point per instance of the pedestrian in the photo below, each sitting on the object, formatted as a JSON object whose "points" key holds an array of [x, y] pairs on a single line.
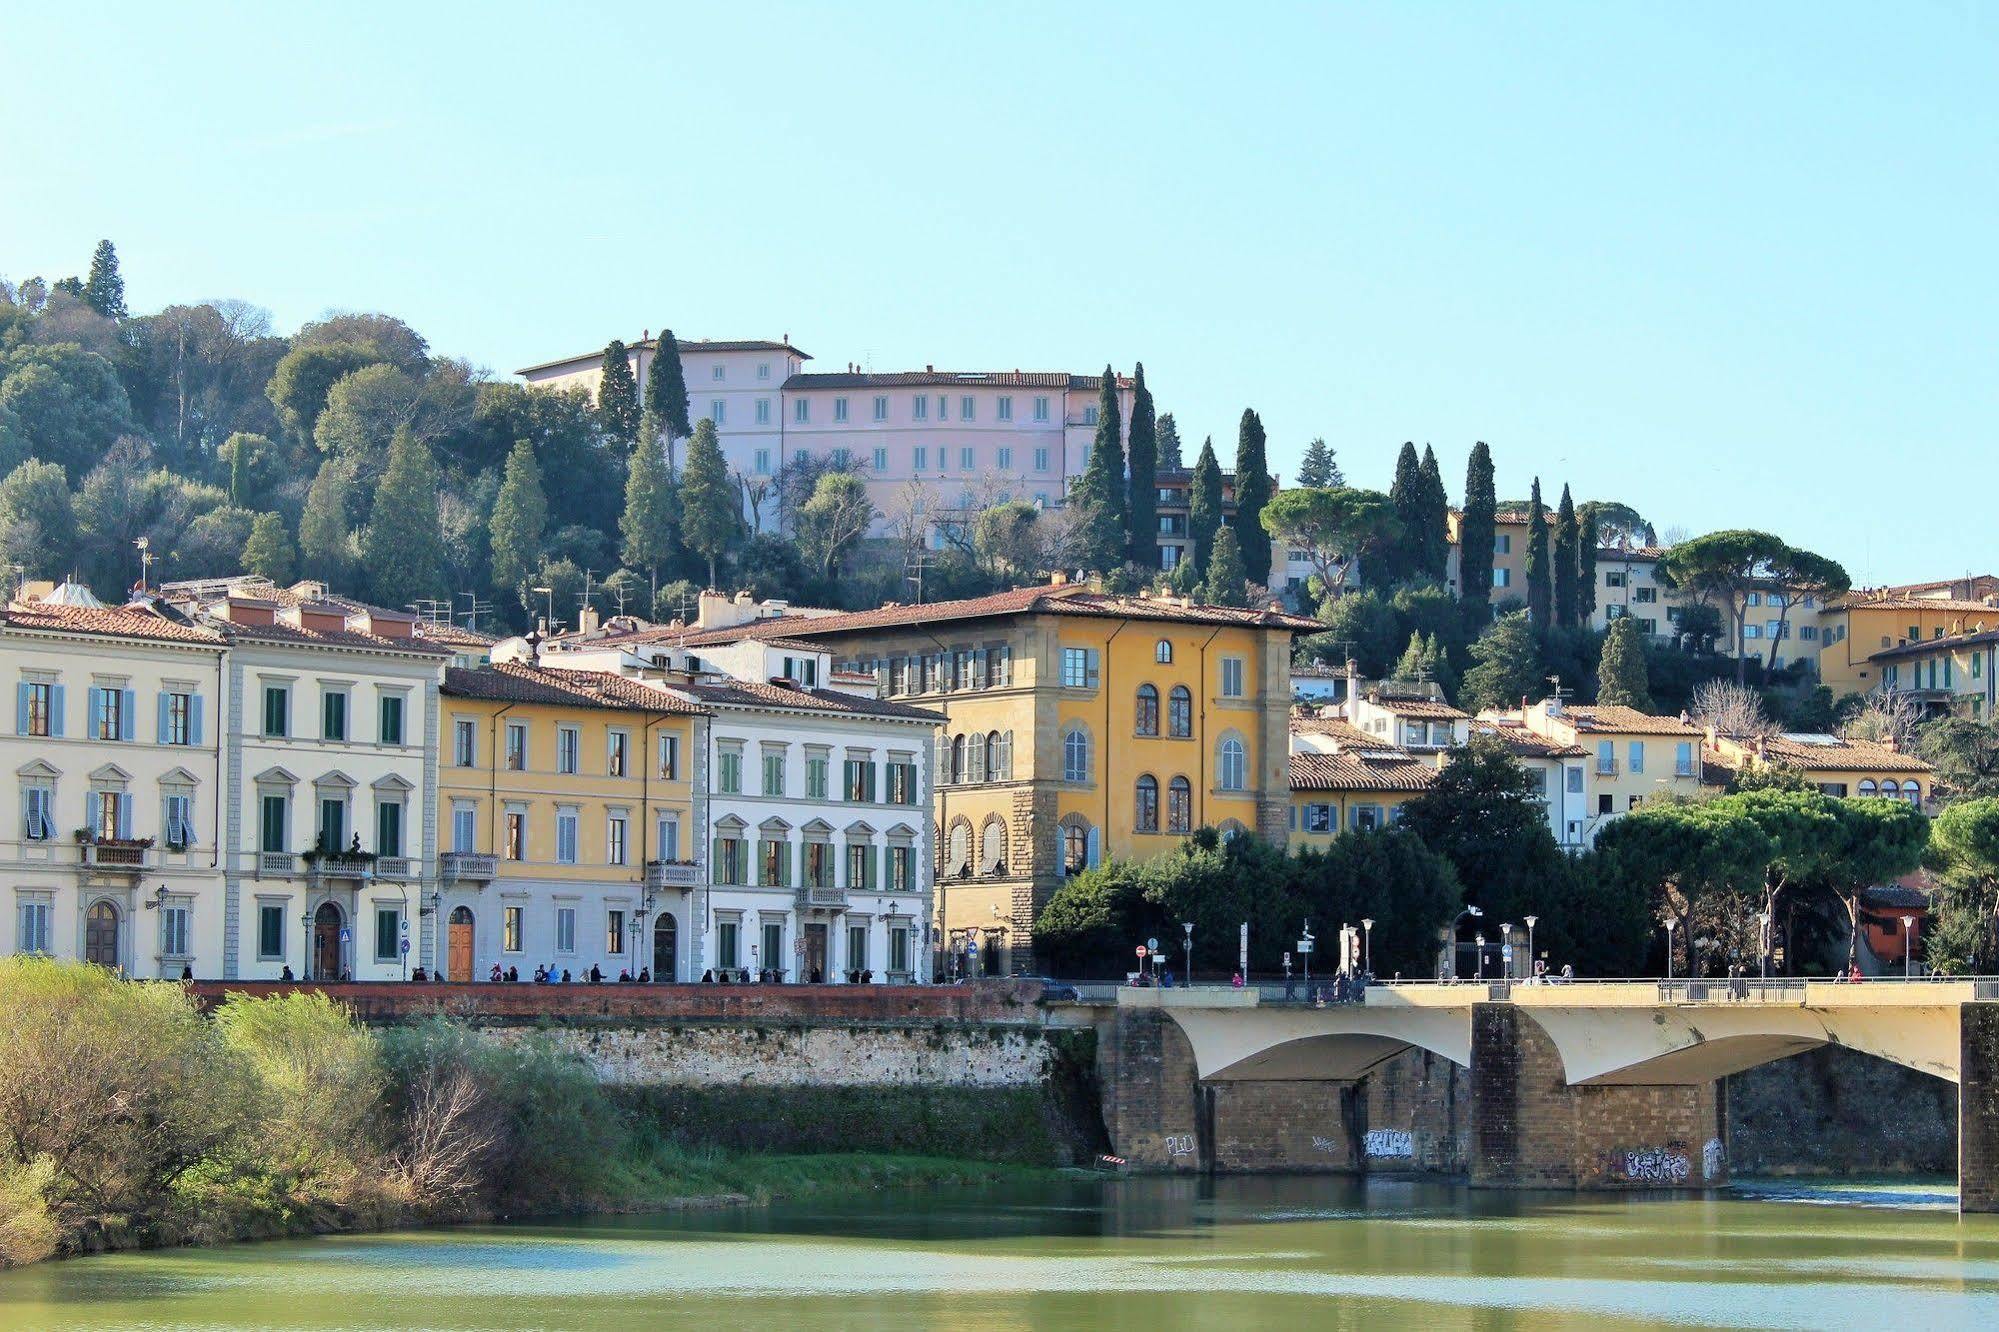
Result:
{"points": [[495, 976], [186, 971], [596, 974], [1568, 972], [286, 974], [645, 975], [1236, 980], [566, 977]]}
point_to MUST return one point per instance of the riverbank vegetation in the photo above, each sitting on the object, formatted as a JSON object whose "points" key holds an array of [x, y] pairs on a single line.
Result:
{"points": [[128, 1119]]}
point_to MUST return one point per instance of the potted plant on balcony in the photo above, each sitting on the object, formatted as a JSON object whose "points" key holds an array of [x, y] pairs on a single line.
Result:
{"points": [[351, 858]]}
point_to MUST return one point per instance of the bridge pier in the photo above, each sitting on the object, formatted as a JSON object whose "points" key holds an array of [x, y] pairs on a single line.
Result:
{"points": [[1531, 1129], [1153, 1106], [1978, 1108]]}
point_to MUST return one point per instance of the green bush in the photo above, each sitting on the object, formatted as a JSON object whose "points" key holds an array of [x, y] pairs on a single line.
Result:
{"points": [[317, 1078]]}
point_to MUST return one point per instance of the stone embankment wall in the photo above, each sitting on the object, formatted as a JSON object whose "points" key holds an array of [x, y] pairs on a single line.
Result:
{"points": [[1835, 1112]]}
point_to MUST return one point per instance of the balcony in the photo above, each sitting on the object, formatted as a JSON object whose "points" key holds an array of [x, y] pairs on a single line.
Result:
{"points": [[394, 867], [1606, 767], [276, 864], [675, 875], [112, 856], [825, 896], [356, 867], [468, 867]]}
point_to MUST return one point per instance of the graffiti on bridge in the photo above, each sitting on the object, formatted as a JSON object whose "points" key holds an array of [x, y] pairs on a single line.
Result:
{"points": [[1390, 1143]]}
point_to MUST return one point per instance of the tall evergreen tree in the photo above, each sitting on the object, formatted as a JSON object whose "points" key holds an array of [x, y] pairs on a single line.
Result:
{"points": [[1142, 513], [1204, 505], [1397, 560], [323, 544], [104, 289], [269, 551], [520, 515], [648, 524], [1252, 492], [404, 548], [1477, 531], [1566, 561], [1436, 506], [1506, 666], [1169, 444], [1587, 539], [710, 516], [1319, 468], [1100, 492], [666, 393], [239, 474], [1540, 578], [1226, 583], [618, 394], [1621, 678]]}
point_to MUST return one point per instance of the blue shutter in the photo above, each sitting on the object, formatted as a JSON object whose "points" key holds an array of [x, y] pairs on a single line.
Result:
{"points": [[161, 734], [96, 712], [55, 710], [128, 716], [21, 708], [194, 719], [1094, 855], [125, 815]]}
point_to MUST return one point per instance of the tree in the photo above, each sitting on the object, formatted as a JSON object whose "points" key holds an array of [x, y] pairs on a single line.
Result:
{"points": [[1478, 529], [1225, 584], [1724, 566], [1169, 444], [1506, 666], [1252, 492], [37, 519], [1331, 527], [520, 515], [1400, 557], [1005, 540], [365, 409], [386, 336], [1964, 851], [1540, 580], [1317, 469], [579, 466], [1424, 659], [1620, 673], [1099, 493], [648, 524], [404, 550], [1702, 866], [1484, 813], [666, 393], [65, 403], [1143, 510], [1568, 562], [269, 551], [1204, 505], [1803, 573], [1966, 755], [1620, 526], [834, 520], [1880, 841], [618, 394], [1586, 548], [1730, 709], [1435, 546], [709, 519], [104, 289], [324, 547], [308, 372]]}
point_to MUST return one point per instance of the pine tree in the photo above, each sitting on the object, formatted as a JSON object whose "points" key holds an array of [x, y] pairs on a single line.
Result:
{"points": [[520, 515], [618, 394], [1169, 444], [1142, 512], [1564, 556], [710, 516], [666, 393], [404, 548], [1540, 585], [1401, 559], [1411, 665], [1587, 541], [1100, 492], [1425, 659], [104, 289], [1226, 582], [323, 546], [649, 521], [1204, 505], [1319, 468], [1252, 492], [1506, 666], [1621, 678], [269, 550], [1436, 544], [1477, 530]]}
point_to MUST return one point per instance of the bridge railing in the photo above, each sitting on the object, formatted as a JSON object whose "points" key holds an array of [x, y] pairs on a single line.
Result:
{"points": [[1738, 991]]}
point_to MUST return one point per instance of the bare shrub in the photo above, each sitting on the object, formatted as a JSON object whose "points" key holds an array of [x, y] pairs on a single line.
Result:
{"points": [[452, 1133], [1731, 709]]}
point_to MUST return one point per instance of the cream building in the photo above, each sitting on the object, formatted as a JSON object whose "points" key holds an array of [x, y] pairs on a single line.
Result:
{"points": [[1630, 757]]}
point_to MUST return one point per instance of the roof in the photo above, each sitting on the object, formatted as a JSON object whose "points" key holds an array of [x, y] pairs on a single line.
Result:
{"points": [[1827, 753], [1353, 772], [928, 378], [750, 694], [684, 344], [1924, 646], [1861, 601], [334, 638], [1622, 720], [1046, 599], [1338, 730], [1420, 708], [1523, 743], [453, 635], [102, 621], [514, 683]]}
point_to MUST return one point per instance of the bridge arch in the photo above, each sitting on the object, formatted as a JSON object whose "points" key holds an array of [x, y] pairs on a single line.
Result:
{"points": [[1338, 1044]]}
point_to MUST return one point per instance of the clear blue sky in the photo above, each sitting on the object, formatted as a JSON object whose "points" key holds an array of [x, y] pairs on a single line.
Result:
{"points": [[1733, 264]]}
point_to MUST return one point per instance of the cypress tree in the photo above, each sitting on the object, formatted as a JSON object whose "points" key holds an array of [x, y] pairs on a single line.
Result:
{"points": [[666, 392], [618, 394], [520, 515], [404, 547], [1204, 506], [1540, 587], [1226, 583], [104, 289], [710, 517], [1477, 530], [269, 550], [1587, 540], [1252, 492], [1506, 666], [1142, 516], [1565, 560], [648, 523], [1402, 558], [1621, 678], [239, 470], [1436, 507], [1100, 492], [1319, 468], [322, 527], [1169, 444]]}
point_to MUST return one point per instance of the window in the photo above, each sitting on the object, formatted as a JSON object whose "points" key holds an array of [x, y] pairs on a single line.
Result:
{"points": [[272, 822], [965, 407], [38, 813], [669, 757], [270, 932], [1753, 599], [1162, 652], [1179, 805], [881, 460], [512, 933], [1076, 755], [1041, 409], [815, 776], [111, 713], [1041, 460], [568, 749], [1003, 459], [1752, 631], [1606, 757], [921, 457], [901, 870], [177, 712], [967, 459], [618, 753], [390, 711], [1683, 759], [1502, 543], [179, 820], [718, 411], [333, 822], [760, 463], [728, 943], [801, 410], [565, 836], [1180, 713], [1645, 596], [36, 706], [1232, 673], [517, 833], [464, 743], [773, 772], [859, 868], [920, 407], [729, 764], [881, 407], [36, 919], [717, 373], [1075, 847], [1079, 668], [1148, 710], [860, 780], [1232, 765], [174, 931], [773, 945], [615, 835], [614, 932], [1574, 780], [730, 861], [839, 409], [1502, 577], [1613, 578], [565, 929], [1606, 803], [902, 783], [1090, 415], [669, 837], [333, 714], [1145, 817], [1636, 753], [517, 746], [464, 828], [277, 710], [841, 459], [388, 934]]}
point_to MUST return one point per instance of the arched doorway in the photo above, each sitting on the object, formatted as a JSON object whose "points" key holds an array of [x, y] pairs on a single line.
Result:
{"points": [[458, 960], [665, 946], [100, 934], [326, 942]]}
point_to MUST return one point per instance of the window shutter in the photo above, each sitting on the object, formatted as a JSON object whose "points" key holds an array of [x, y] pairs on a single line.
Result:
{"points": [[96, 711], [128, 716], [715, 862], [1091, 671], [55, 710], [21, 708], [194, 720], [1094, 843], [125, 815], [161, 734], [1006, 756]]}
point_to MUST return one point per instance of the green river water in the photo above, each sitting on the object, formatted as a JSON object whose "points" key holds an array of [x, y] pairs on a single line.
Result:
{"points": [[1227, 1255]]}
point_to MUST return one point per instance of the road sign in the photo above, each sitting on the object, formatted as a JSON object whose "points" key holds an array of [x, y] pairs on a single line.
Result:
{"points": [[406, 943], [1141, 950], [1304, 945], [346, 936], [1153, 944]]}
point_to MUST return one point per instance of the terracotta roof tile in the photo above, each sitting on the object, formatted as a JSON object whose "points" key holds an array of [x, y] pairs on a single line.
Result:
{"points": [[1337, 729], [1350, 772], [750, 694], [959, 379], [337, 638], [1827, 754], [514, 683], [1422, 709], [1523, 743], [1928, 645], [1066, 599], [1621, 720], [111, 622]]}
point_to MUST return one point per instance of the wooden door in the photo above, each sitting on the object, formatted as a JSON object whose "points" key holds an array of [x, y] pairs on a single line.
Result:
{"points": [[665, 943], [458, 964], [326, 963], [814, 968], [100, 935]]}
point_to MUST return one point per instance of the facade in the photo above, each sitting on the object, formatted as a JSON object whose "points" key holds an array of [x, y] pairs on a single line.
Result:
{"points": [[1628, 587], [1561, 769], [1509, 552], [1845, 768], [1948, 676], [116, 753], [1631, 757], [1410, 715], [1862, 625], [570, 825], [1344, 779]]}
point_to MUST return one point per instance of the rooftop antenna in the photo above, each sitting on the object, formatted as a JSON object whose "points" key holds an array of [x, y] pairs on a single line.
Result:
{"points": [[1557, 692], [913, 573], [475, 608], [619, 592], [431, 610]]}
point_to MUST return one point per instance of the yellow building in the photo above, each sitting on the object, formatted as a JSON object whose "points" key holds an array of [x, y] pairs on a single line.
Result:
{"points": [[1081, 725], [1952, 675], [570, 823], [1631, 757], [1509, 551], [1343, 780], [1837, 767], [1857, 629]]}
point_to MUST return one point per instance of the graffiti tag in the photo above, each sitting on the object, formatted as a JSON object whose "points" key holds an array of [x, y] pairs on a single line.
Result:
{"points": [[1656, 1165], [1180, 1144], [1711, 1161], [1390, 1142], [1324, 1144]]}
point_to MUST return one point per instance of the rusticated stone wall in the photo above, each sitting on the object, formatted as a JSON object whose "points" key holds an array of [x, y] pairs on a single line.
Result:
{"points": [[1415, 1115], [1289, 1126], [1978, 1109]]}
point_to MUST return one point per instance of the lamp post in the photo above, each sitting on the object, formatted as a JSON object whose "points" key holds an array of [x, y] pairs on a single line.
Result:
{"points": [[1505, 948], [305, 940], [1530, 944], [1479, 938], [1908, 944], [1367, 944], [1670, 922], [1188, 926]]}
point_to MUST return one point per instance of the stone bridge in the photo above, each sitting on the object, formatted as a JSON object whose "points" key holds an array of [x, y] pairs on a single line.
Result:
{"points": [[1586, 1085]]}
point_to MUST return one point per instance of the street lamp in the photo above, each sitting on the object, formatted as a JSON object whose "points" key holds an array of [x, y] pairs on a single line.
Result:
{"points": [[1505, 943], [1530, 944], [1188, 926], [548, 592], [1367, 945], [1670, 922], [1908, 944]]}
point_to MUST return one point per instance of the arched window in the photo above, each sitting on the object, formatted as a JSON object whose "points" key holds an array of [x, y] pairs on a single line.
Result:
{"points": [[975, 756], [1075, 847], [958, 769], [959, 861], [1867, 786], [1076, 755], [1180, 805], [999, 756], [1180, 712], [1146, 817], [992, 846], [1162, 652], [1231, 764], [1891, 788], [1148, 710], [1911, 792]]}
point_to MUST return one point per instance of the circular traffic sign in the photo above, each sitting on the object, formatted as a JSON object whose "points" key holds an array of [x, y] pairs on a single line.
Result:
{"points": [[1141, 950]]}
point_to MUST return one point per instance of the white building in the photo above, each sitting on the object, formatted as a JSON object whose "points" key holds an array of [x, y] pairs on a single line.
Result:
{"points": [[116, 758]]}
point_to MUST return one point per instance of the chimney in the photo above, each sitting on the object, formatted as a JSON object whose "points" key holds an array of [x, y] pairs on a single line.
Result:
{"points": [[389, 624], [244, 610], [589, 620], [929, 369], [1353, 685], [1058, 578]]}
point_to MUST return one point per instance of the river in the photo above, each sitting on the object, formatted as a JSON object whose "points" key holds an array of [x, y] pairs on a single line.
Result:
{"points": [[1229, 1255]]}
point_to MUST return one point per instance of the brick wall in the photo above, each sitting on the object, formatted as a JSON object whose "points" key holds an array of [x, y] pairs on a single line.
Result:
{"points": [[1270, 1126], [1414, 1114], [1978, 1108], [1152, 1106]]}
